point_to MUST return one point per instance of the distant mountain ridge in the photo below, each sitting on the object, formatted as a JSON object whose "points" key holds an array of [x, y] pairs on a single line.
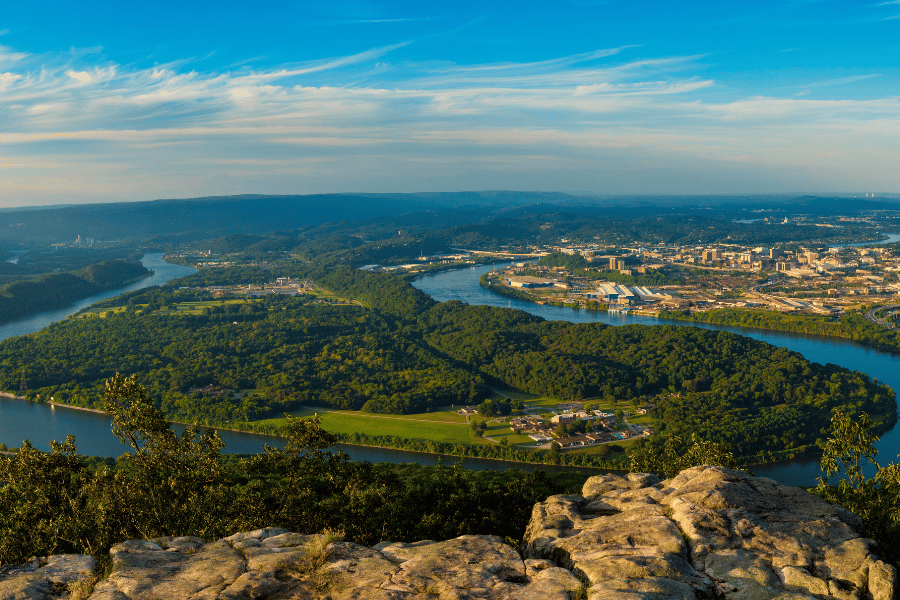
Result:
{"points": [[216, 216]]}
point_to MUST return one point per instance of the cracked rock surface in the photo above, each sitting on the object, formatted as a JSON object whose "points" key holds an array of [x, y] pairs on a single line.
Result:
{"points": [[276, 564], [710, 532], [44, 579]]}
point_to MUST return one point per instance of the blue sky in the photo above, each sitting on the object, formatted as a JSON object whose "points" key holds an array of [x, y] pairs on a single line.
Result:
{"points": [[182, 99]]}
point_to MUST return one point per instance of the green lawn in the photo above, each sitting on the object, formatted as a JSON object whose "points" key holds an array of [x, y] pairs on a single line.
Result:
{"points": [[641, 420], [499, 430], [180, 307], [443, 426]]}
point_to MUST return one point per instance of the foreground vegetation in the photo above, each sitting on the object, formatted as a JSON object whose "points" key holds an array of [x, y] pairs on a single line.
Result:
{"points": [[181, 485], [877, 499], [58, 502]]}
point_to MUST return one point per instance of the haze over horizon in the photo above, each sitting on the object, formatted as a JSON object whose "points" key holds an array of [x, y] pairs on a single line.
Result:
{"points": [[183, 100]]}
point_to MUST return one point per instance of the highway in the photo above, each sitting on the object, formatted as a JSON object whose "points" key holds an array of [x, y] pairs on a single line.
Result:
{"points": [[870, 315]]}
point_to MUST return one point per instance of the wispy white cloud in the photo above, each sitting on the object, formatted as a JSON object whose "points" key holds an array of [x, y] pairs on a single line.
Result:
{"points": [[198, 129], [403, 20], [842, 80]]}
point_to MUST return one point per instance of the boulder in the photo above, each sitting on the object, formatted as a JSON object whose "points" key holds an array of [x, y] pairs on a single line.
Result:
{"points": [[43, 579], [709, 532]]}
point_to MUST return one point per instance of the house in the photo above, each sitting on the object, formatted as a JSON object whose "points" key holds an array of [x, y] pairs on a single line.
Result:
{"points": [[563, 419]]}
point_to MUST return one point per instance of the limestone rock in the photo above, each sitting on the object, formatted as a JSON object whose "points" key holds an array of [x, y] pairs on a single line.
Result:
{"points": [[709, 532], [275, 564], [44, 579]]}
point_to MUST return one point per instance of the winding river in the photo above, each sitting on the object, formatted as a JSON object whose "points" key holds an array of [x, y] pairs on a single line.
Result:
{"points": [[464, 285], [41, 423]]}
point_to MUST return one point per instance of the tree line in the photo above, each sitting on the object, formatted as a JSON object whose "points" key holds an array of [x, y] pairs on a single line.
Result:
{"points": [[31, 296], [402, 352], [853, 325]]}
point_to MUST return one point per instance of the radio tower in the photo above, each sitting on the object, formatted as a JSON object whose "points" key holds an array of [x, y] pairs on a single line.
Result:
{"points": [[23, 386]]}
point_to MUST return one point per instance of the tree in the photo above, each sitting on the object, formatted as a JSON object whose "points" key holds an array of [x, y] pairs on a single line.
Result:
{"points": [[675, 455], [487, 408], [303, 470], [45, 507], [877, 499], [170, 484]]}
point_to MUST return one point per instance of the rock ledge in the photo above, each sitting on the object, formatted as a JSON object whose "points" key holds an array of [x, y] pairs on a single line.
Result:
{"points": [[709, 533]]}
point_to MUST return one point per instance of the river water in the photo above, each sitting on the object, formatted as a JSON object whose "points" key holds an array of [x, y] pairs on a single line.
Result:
{"points": [[891, 238], [464, 285], [40, 423]]}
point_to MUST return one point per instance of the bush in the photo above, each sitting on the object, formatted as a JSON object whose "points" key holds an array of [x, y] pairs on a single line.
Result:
{"points": [[675, 455], [875, 500]]}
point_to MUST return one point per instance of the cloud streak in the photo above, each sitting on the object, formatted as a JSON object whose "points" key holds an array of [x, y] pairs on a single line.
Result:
{"points": [[365, 122]]}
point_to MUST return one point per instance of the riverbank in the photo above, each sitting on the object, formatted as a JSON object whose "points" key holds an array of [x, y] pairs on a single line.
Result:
{"points": [[58, 423], [512, 463], [853, 326], [28, 297]]}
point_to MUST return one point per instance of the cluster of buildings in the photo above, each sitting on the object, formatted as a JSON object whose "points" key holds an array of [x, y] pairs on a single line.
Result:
{"points": [[801, 280], [575, 288], [85, 242], [284, 286], [601, 426]]}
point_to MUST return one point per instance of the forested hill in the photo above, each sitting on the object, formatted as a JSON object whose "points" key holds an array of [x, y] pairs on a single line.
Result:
{"points": [[31, 296], [466, 219], [398, 351]]}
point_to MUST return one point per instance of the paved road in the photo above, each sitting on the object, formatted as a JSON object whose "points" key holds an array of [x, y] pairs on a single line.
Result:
{"points": [[870, 315]]}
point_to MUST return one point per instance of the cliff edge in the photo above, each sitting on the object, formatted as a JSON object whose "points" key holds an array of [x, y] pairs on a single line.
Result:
{"points": [[708, 533]]}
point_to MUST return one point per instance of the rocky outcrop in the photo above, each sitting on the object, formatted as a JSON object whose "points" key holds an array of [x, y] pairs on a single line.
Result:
{"points": [[54, 577], [708, 533], [273, 563]]}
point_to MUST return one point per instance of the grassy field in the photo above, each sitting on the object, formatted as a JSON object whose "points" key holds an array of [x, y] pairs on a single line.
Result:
{"points": [[442, 426], [500, 430], [445, 425], [641, 419], [180, 308], [551, 402]]}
